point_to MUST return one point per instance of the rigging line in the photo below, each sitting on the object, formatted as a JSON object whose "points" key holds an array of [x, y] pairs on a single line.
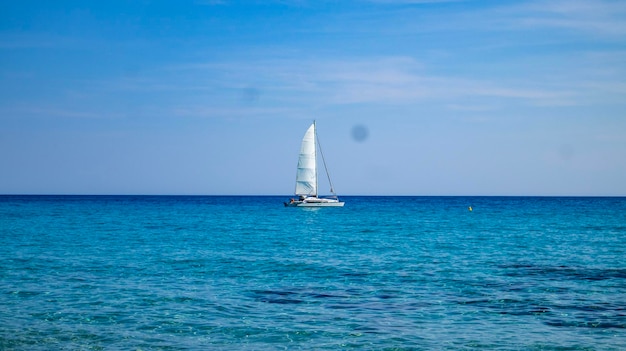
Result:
{"points": [[332, 190]]}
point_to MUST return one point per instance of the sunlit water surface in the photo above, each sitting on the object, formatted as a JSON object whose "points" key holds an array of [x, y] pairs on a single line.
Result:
{"points": [[246, 273]]}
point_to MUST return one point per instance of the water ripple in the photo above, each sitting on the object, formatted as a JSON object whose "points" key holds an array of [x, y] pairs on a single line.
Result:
{"points": [[172, 273]]}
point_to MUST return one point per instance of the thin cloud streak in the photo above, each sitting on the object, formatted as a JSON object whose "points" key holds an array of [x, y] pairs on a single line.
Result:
{"points": [[595, 17], [403, 2], [397, 80], [25, 40], [51, 112], [600, 18]]}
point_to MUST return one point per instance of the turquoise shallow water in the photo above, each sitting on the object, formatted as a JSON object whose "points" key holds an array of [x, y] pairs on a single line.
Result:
{"points": [[245, 273]]}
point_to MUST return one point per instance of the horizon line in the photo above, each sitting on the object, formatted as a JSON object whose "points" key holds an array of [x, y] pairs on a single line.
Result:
{"points": [[281, 195]]}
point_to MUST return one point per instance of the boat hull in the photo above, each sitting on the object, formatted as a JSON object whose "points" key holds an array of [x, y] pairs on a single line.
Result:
{"points": [[320, 204], [315, 203]]}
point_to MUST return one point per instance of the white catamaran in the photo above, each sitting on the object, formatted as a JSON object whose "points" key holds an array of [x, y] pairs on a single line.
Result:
{"points": [[306, 176]]}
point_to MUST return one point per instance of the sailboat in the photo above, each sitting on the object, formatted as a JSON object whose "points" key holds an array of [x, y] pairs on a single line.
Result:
{"points": [[306, 175]]}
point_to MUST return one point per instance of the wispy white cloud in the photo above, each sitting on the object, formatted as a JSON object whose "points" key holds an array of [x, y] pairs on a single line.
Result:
{"points": [[211, 2], [471, 108], [288, 79], [603, 17], [26, 40], [414, 1], [50, 111], [405, 81], [386, 80], [208, 111]]}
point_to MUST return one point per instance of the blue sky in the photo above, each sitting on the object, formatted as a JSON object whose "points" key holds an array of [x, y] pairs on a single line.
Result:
{"points": [[213, 97]]}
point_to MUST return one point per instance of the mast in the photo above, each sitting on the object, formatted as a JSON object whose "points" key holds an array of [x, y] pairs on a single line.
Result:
{"points": [[316, 145], [332, 189]]}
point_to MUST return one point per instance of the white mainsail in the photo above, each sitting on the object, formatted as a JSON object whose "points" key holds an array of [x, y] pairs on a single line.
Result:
{"points": [[306, 176]]}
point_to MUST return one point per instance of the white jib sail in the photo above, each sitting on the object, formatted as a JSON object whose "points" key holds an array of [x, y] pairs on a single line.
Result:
{"points": [[306, 176]]}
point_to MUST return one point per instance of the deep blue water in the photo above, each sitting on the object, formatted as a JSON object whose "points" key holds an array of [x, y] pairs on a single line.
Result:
{"points": [[246, 273]]}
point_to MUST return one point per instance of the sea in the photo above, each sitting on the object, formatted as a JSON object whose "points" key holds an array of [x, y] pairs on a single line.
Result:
{"points": [[247, 273]]}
